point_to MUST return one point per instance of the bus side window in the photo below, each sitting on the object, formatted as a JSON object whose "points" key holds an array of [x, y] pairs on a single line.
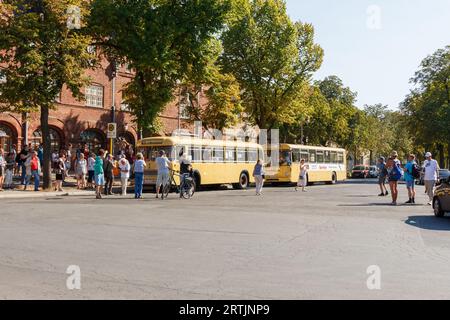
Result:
{"points": [[340, 157], [296, 156], [252, 155], [207, 154], [240, 155], [334, 158], [230, 154], [327, 156], [196, 153], [304, 154], [218, 154], [319, 156], [312, 156]]}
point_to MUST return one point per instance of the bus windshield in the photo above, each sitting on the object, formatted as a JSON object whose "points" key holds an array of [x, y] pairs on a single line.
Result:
{"points": [[285, 157]]}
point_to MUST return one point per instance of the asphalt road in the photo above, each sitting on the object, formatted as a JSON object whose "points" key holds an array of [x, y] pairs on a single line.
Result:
{"points": [[225, 245]]}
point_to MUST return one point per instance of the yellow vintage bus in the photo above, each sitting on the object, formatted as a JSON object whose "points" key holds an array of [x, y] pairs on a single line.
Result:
{"points": [[325, 164], [214, 162]]}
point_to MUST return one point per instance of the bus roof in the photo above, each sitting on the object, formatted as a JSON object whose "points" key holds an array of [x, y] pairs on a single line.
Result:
{"points": [[176, 140], [284, 146]]}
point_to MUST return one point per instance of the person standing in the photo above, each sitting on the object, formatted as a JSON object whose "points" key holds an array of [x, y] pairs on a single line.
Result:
{"points": [[2, 168], [302, 176], [33, 168], [81, 171], [382, 173], [409, 178], [108, 168], [125, 167], [10, 166], [60, 172], [258, 174], [395, 173], [99, 174], [139, 167], [162, 180], [431, 175], [91, 171], [23, 155]]}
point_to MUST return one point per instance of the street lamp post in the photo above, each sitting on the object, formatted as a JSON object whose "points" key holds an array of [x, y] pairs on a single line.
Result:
{"points": [[115, 68]]}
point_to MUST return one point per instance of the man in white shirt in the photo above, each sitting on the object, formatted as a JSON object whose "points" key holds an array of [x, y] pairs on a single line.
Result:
{"points": [[163, 173], [431, 175]]}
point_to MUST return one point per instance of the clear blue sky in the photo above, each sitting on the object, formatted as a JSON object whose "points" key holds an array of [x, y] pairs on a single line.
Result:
{"points": [[375, 54]]}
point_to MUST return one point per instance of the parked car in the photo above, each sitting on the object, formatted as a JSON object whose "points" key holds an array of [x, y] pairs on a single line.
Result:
{"points": [[373, 172], [443, 175], [360, 172], [441, 200]]}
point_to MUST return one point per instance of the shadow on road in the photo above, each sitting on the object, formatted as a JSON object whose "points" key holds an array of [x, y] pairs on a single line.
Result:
{"points": [[429, 223]]}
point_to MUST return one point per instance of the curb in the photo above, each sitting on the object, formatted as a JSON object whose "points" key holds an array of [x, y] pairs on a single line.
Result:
{"points": [[31, 194]]}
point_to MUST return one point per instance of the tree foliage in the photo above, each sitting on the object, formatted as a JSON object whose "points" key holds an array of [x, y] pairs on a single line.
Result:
{"points": [[42, 55]]}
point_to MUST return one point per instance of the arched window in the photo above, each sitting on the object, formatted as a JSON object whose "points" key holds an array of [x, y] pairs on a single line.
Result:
{"points": [[7, 137], [93, 139], [55, 139]]}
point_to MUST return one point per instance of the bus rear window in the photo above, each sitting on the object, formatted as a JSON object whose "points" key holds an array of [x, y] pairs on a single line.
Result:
{"points": [[151, 153]]}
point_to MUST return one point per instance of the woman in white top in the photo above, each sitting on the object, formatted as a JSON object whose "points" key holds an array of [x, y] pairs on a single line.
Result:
{"points": [[303, 176], [125, 167], [81, 171]]}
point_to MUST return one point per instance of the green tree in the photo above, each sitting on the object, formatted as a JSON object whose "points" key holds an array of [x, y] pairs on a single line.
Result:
{"points": [[272, 58], [427, 107], [164, 41], [44, 46]]}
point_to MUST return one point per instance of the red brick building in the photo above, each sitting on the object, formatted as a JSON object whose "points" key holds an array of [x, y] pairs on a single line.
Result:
{"points": [[75, 121]]}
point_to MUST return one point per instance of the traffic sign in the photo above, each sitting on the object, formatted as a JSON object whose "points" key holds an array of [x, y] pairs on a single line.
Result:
{"points": [[112, 131]]}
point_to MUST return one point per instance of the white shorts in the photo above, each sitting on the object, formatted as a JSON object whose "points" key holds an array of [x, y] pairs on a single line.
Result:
{"points": [[162, 179], [301, 181]]}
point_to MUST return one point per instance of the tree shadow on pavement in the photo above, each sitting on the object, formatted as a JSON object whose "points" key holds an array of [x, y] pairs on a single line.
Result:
{"points": [[429, 223]]}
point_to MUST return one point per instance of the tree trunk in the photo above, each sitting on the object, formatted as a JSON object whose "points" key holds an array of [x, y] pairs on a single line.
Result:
{"points": [[46, 166], [441, 155]]}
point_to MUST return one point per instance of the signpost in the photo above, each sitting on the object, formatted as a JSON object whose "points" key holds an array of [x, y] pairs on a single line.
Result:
{"points": [[111, 133]]}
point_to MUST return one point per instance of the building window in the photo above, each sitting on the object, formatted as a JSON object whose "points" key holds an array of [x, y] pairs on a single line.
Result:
{"points": [[94, 96], [6, 138], [55, 139]]}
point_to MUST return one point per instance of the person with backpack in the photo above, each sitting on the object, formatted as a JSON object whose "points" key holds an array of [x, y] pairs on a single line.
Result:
{"points": [[395, 174], [411, 174]]}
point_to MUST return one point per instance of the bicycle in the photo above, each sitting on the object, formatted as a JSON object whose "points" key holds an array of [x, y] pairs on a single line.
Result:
{"points": [[186, 189]]}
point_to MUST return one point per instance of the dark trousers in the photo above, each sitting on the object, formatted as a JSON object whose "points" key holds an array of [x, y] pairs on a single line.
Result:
{"points": [[109, 180]]}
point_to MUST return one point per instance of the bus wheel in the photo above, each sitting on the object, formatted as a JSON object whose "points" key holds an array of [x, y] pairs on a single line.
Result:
{"points": [[243, 181], [333, 179], [197, 181]]}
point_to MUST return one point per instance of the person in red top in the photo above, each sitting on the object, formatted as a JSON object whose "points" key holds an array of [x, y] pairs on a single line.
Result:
{"points": [[35, 168]]}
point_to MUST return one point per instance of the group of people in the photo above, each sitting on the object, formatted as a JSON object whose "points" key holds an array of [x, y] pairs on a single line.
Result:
{"points": [[27, 163], [259, 175], [392, 171]]}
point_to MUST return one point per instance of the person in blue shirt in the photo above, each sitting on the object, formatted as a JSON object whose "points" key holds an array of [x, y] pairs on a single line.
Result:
{"points": [[409, 178]]}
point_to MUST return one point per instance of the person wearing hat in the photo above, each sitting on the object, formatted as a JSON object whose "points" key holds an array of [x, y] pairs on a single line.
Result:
{"points": [[431, 175], [381, 166]]}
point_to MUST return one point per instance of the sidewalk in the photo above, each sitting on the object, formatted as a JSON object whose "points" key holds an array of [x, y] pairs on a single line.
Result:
{"points": [[20, 194]]}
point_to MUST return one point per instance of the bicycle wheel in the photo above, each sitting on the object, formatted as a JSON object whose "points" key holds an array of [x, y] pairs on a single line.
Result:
{"points": [[187, 190], [166, 190]]}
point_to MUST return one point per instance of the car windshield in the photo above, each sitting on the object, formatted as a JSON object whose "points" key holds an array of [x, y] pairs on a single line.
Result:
{"points": [[359, 168]]}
